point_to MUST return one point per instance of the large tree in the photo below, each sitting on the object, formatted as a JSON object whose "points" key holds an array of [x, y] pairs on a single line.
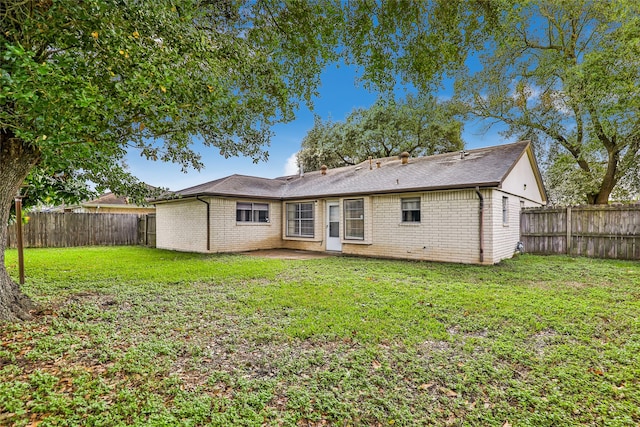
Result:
{"points": [[83, 83], [566, 71], [569, 72], [419, 125]]}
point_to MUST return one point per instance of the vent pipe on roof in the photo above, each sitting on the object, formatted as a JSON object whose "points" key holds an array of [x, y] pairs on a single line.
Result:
{"points": [[404, 156], [301, 171], [323, 168], [370, 163], [463, 154], [378, 163]]}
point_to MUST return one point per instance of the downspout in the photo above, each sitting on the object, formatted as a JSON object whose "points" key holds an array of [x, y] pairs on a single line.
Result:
{"points": [[481, 224], [208, 221]]}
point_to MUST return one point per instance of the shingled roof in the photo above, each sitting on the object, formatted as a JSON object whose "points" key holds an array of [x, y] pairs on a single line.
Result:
{"points": [[483, 167], [237, 185], [108, 199]]}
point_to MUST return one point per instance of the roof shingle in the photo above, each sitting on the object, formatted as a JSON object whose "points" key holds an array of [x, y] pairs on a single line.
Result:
{"points": [[484, 167]]}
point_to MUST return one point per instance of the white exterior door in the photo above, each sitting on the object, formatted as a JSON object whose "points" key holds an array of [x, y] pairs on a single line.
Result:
{"points": [[333, 227]]}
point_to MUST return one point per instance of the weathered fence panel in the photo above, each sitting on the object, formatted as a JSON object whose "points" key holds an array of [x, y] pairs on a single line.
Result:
{"points": [[54, 230], [147, 230], [591, 231]]}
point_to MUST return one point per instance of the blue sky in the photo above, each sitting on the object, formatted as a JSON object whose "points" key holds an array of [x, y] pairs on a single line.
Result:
{"points": [[339, 94]]}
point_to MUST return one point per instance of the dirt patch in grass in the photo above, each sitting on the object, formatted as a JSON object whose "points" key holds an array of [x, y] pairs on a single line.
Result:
{"points": [[541, 341], [288, 254], [255, 361]]}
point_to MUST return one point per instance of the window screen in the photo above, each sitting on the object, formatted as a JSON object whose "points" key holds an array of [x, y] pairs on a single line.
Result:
{"points": [[252, 212], [354, 219], [300, 221], [411, 210]]}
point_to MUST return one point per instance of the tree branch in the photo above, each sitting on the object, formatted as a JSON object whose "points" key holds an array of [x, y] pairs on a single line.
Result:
{"points": [[344, 159], [597, 125]]}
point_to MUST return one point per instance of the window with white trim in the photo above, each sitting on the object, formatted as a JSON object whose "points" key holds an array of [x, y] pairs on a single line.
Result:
{"points": [[354, 219], [252, 212], [410, 209], [300, 219], [505, 210]]}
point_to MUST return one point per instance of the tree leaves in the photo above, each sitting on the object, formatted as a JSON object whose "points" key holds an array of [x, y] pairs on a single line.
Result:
{"points": [[88, 74], [566, 72], [561, 72], [418, 125]]}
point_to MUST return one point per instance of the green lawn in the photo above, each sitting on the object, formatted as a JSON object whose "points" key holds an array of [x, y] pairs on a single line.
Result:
{"points": [[135, 336]]}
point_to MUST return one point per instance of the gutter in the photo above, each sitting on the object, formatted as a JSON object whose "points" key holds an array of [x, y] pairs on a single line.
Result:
{"points": [[329, 195], [108, 206], [481, 224], [208, 221], [393, 191]]}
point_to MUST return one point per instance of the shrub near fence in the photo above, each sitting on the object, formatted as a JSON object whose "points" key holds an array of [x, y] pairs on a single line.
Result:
{"points": [[53, 230], [591, 231]]}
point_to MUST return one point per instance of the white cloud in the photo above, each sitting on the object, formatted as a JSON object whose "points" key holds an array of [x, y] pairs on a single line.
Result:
{"points": [[530, 92], [291, 166], [559, 102]]}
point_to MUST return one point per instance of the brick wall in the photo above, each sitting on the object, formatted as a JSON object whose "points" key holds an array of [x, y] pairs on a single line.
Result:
{"points": [[181, 226], [505, 236], [227, 235], [448, 230]]}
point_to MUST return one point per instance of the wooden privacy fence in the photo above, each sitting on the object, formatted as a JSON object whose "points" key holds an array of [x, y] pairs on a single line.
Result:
{"points": [[147, 230], [591, 231], [53, 230]]}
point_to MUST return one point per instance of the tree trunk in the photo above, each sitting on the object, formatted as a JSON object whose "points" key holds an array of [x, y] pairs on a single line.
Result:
{"points": [[608, 182], [602, 196], [16, 160]]}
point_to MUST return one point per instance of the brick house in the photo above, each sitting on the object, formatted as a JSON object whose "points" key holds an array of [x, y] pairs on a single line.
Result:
{"points": [[455, 207]]}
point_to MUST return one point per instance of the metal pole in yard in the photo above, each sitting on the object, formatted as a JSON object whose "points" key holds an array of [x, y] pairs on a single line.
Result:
{"points": [[19, 238]]}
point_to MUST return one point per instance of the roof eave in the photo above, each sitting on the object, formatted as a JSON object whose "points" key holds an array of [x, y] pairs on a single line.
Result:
{"points": [[493, 184], [113, 206], [209, 194]]}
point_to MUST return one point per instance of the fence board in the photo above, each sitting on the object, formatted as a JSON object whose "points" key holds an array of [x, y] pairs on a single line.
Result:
{"points": [[47, 230], [591, 231], [147, 230]]}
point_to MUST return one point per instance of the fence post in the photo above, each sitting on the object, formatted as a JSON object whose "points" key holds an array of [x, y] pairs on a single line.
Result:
{"points": [[146, 230], [568, 230], [19, 237]]}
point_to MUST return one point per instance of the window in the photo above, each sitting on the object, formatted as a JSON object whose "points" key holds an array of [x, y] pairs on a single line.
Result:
{"points": [[505, 210], [300, 219], [411, 210], [354, 219], [252, 212]]}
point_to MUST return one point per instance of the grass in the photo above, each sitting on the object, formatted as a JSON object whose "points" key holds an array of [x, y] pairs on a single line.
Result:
{"points": [[135, 336]]}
